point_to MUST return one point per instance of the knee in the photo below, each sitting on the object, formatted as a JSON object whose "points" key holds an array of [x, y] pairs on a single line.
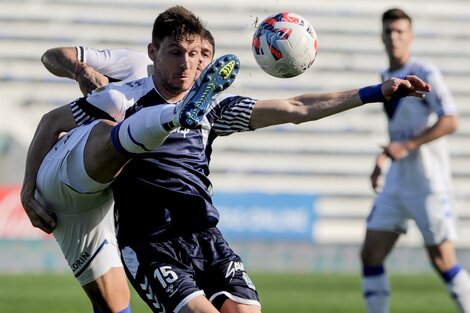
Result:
{"points": [[371, 257]]}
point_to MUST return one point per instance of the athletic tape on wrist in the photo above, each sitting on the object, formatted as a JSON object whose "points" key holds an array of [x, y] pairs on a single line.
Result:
{"points": [[371, 94]]}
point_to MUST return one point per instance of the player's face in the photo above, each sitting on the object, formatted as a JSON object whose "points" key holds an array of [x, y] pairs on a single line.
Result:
{"points": [[175, 65], [206, 55], [397, 37]]}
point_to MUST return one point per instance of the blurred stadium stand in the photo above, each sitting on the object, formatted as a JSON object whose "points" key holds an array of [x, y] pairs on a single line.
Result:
{"points": [[330, 158]]}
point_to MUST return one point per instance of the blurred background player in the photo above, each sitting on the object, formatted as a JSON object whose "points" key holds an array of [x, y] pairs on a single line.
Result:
{"points": [[418, 184]]}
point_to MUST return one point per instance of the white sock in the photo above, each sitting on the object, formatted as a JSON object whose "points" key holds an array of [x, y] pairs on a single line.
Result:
{"points": [[376, 293], [459, 290], [143, 131], [168, 119]]}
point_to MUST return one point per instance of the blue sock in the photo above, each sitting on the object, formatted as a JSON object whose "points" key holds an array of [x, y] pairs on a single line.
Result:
{"points": [[457, 281], [373, 270], [376, 290], [451, 273]]}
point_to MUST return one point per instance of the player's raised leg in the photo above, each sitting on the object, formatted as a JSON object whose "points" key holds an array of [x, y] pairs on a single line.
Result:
{"points": [[148, 128]]}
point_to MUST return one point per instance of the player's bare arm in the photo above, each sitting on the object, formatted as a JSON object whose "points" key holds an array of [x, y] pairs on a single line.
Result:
{"points": [[445, 125], [46, 135], [314, 106], [63, 62]]}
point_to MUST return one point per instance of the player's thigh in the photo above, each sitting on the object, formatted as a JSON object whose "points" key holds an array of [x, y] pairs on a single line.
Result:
{"points": [[102, 162], [434, 216], [387, 214], [385, 223], [231, 306], [49, 179], [199, 304], [63, 185], [377, 245]]}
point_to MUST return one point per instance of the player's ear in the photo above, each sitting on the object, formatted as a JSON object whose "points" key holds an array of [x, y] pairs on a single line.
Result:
{"points": [[152, 51]]}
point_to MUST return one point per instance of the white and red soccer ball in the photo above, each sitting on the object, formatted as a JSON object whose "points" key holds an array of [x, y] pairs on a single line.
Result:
{"points": [[285, 45]]}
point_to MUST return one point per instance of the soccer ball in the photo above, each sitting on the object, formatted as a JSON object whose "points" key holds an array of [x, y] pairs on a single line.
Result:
{"points": [[285, 45]]}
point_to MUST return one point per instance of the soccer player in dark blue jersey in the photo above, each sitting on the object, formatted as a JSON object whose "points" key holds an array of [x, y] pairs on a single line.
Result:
{"points": [[173, 253], [73, 180]]}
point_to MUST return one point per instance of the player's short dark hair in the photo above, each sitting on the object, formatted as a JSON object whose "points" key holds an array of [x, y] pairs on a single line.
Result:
{"points": [[177, 22], [206, 35], [395, 14]]}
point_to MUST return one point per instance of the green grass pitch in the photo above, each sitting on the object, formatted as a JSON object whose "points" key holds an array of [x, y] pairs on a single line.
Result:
{"points": [[279, 293]]}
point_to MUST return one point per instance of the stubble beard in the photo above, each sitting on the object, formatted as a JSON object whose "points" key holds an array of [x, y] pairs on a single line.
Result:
{"points": [[172, 88]]}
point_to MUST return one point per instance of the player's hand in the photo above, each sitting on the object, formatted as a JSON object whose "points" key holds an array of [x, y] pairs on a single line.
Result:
{"points": [[396, 150], [410, 85], [89, 79], [377, 171], [374, 178], [38, 215]]}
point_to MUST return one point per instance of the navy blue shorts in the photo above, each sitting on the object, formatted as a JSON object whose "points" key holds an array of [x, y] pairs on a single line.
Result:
{"points": [[168, 274]]}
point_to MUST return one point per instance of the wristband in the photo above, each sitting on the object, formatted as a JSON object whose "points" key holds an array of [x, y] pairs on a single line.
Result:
{"points": [[371, 94]]}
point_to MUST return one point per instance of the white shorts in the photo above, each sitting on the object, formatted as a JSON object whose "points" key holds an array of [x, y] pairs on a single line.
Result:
{"points": [[432, 213], [85, 221]]}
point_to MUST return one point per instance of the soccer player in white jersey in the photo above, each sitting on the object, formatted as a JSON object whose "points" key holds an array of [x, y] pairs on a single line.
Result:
{"points": [[418, 183], [173, 253]]}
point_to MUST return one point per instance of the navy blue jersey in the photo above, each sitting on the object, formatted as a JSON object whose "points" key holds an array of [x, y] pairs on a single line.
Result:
{"points": [[166, 192]]}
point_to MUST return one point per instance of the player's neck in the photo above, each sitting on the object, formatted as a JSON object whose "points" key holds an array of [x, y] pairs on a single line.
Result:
{"points": [[396, 63]]}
